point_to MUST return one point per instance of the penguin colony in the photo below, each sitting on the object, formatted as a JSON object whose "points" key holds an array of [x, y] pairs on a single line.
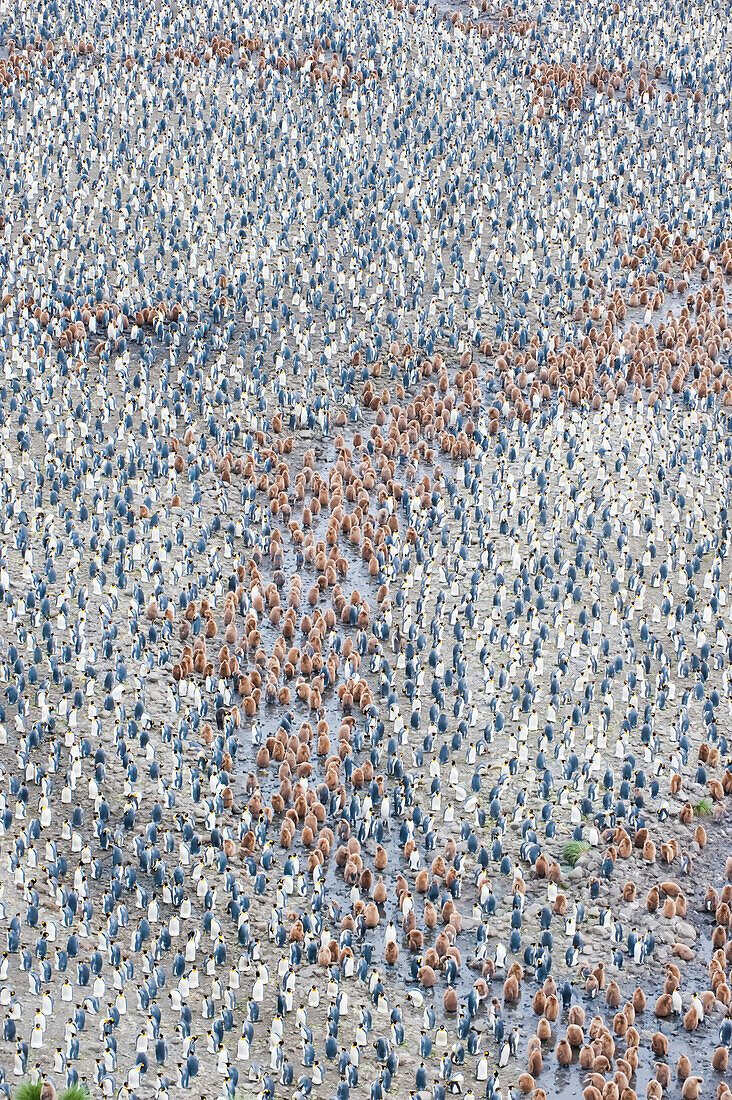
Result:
{"points": [[366, 664]]}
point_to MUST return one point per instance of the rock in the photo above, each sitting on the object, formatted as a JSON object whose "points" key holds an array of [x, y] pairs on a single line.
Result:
{"points": [[685, 931]]}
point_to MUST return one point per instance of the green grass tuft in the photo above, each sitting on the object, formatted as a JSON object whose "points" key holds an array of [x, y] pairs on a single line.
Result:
{"points": [[573, 850], [76, 1092], [704, 808], [28, 1091]]}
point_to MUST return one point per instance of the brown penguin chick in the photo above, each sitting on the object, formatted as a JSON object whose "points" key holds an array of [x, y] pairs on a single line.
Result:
{"points": [[683, 1067], [691, 1019], [422, 882], [663, 1006], [624, 1068], [48, 1091], [577, 1015], [380, 892], [692, 1088], [639, 1000], [450, 1000], [700, 836], [722, 914], [438, 867], [455, 921], [488, 969], [620, 1024], [551, 1008], [535, 1063], [525, 1083], [720, 1059], [716, 790], [724, 994], [426, 976], [586, 1056], [628, 1066], [544, 1030], [663, 1074], [659, 1044], [371, 915], [654, 1091], [608, 1044], [683, 951], [512, 991], [560, 905], [612, 995], [575, 1036], [324, 958], [541, 867], [625, 847], [430, 915], [629, 892], [728, 868], [431, 958], [598, 1027], [539, 1002], [564, 1053], [392, 953], [669, 908]]}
